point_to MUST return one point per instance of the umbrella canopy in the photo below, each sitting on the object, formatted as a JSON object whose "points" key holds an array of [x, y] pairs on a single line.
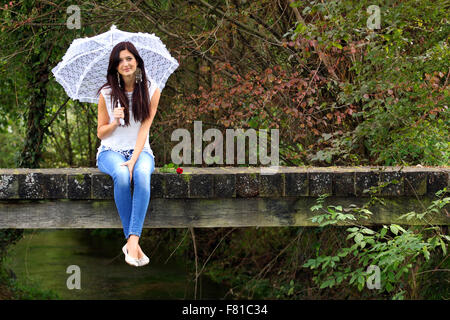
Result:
{"points": [[84, 66]]}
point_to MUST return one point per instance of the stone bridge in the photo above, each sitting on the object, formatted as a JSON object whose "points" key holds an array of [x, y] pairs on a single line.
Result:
{"points": [[220, 196]]}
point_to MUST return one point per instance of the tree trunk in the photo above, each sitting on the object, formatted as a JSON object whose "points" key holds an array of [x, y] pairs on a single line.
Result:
{"points": [[31, 154]]}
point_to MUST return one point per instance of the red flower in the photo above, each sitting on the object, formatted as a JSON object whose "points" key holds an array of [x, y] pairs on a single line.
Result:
{"points": [[179, 170]]}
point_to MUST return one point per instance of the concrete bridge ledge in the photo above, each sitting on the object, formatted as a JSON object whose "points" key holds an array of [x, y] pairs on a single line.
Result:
{"points": [[214, 196], [228, 182]]}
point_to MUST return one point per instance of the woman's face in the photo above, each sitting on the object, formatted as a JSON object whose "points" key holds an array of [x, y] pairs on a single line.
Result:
{"points": [[127, 65]]}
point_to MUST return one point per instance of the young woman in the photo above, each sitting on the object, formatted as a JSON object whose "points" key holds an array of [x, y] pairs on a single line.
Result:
{"points": [[125, 152]]}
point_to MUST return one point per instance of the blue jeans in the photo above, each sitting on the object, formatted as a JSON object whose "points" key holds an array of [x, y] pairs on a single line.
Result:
{"points": [[132, 208]]}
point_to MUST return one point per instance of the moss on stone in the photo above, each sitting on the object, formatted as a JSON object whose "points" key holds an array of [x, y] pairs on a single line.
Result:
{"points": [[80, 178], [100, 204], [187, 177]]}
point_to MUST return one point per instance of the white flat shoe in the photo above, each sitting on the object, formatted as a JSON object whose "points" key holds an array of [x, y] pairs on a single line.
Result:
{"points": [[130, 260], [143, 261]]}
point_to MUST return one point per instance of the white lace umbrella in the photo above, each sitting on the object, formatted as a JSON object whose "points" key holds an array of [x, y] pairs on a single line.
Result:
{"points": [[83, 68]]}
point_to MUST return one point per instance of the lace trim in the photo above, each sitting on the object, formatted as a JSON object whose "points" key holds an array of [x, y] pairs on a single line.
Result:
{"points": [[126, 153]]}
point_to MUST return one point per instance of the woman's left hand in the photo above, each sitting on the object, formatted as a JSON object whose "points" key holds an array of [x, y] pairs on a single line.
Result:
{"points": [[130, 164]]}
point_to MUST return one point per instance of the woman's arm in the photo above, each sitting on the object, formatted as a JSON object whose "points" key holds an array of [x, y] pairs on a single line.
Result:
{"points": [[145, 126], [104, 128]]}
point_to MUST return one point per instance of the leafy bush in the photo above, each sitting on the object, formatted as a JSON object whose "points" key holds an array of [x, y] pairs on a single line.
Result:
{"points": [[396, 252]]}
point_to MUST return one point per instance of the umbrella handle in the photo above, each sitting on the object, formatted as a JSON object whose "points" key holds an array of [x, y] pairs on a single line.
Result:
{"points": [[122, 122]]}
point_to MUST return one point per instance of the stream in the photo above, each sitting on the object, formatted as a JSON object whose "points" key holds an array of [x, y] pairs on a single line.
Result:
{"points": [[42, 257]]}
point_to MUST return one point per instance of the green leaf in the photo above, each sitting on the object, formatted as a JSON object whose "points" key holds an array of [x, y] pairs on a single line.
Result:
{"points": [[358, 237], [366, 211], [253, 123], [360, 286], [394, 229], [300, 28], [389, 287], [367, 231], [343, 253], [408, 216], [444, 247], [337, 45], [391, 276], [310, 263], [328, 283], [291, 291]]}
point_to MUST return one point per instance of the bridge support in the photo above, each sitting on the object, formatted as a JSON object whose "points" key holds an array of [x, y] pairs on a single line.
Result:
{"points": [[218, 197]]}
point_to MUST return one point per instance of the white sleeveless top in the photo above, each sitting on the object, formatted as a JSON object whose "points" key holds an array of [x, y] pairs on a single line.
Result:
{"points": [[123, 138]]}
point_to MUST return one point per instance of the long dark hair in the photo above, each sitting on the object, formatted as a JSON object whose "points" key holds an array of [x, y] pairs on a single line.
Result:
{"points": [[140, 99]]}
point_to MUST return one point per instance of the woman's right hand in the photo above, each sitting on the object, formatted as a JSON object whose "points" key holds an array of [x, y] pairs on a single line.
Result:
{"points": [[118, 113]]}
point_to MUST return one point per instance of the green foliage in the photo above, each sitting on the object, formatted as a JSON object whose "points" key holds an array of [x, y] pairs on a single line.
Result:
{"points": [[398, 78], [397, 252], [169, 168], [13, 289], [9, 147], [19, 291], [436, 207], [335, 214], [8, 237]]}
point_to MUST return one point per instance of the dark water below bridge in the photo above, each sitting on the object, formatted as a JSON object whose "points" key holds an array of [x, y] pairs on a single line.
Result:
{"points": [[41, 259]]}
